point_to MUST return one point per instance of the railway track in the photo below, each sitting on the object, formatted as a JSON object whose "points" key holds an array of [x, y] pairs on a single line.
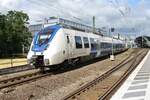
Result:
{"points": [[110, 91], [16, 69], [22, 79], [130, 59]]}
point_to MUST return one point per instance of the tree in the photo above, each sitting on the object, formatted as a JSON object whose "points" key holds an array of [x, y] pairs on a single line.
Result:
{"points": [[2, 34], [14, 32]]}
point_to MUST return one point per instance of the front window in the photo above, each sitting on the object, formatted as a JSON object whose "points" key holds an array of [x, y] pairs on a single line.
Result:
{"points": [[43, 37]]}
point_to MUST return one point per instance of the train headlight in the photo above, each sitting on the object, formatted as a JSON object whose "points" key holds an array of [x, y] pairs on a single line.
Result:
{"points": [[46, 61]]}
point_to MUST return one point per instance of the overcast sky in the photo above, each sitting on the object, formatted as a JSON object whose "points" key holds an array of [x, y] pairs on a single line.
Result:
{"points": [[129, 16]]}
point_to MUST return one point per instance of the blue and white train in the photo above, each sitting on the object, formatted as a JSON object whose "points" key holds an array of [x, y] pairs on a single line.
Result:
{"points": [[55, 44]]}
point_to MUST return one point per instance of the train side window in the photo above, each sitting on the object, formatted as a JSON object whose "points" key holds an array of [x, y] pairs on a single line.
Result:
{"points": [[102, 45], [78, 42], [86, 42]]}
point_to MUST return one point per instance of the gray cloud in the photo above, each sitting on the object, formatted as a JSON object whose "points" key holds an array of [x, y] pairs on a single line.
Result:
{"points": [[130, 18]]}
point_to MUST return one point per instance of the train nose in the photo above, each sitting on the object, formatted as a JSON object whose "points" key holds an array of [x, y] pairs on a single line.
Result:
{"points": [[36, 60], [39, 61]]}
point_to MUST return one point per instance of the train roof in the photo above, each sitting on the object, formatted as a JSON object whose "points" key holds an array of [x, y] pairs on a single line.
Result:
{"points": [[73, 25]]}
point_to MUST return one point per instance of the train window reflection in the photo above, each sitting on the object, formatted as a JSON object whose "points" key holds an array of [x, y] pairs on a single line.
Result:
{"points": [[86, 42], [44, 37], [78, 42]]}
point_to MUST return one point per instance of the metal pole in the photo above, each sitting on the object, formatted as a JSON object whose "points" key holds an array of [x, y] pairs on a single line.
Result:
{"points": [[142, 41], [93, 24], [11, 62], [112, 44], [112, 58], [22, 49]]}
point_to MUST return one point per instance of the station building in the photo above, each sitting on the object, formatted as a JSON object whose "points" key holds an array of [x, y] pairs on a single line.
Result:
{"points": [[35, 28]]}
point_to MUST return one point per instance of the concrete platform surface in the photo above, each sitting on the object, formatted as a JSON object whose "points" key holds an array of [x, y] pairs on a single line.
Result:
{"points": [[137, 85]]}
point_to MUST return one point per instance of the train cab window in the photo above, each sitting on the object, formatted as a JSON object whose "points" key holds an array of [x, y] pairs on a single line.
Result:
{"points": [[43, 37], [86, 42], [78, 42]]}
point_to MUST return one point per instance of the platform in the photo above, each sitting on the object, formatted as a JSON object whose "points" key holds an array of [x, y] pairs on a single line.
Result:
{"points": [[6, 63], [137, 85]]}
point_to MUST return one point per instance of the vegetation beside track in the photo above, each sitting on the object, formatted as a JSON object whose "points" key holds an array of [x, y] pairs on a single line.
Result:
{"points": [[14, 34]]}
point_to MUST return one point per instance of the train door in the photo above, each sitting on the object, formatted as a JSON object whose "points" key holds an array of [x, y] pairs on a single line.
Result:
{"points": [[69, 46], [98, 47]]}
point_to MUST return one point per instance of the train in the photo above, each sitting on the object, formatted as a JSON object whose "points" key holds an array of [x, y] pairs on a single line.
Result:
{"points": [[56, 44], [143, 41]]}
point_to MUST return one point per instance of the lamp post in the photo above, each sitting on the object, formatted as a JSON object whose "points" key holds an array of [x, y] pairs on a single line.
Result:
{"points": [[93, 24], [112, 58]]}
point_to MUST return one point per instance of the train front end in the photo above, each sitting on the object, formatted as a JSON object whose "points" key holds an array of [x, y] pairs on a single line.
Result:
{"points": [[38, 55]]}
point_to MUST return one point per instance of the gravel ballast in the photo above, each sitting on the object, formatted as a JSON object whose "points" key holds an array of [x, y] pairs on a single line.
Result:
{"points": [[56, 86]]}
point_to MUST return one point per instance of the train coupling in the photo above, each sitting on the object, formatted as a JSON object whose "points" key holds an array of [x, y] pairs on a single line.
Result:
{"points": [[38, 60]]}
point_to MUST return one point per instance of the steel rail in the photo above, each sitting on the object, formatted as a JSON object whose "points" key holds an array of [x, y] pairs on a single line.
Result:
{"points": [[77, 92], [15, 69], [122, 79], [22, 79]]}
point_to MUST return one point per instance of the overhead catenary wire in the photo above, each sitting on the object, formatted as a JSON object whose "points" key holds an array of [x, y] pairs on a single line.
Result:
{"points": [[60, 12]]}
